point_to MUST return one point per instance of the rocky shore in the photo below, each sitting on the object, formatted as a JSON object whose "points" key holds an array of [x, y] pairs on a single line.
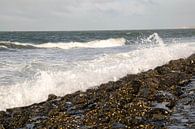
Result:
{"points": [[141, 101]]}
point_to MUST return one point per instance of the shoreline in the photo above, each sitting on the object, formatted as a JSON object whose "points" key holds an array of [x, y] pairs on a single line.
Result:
{"points": [[144, 100]]}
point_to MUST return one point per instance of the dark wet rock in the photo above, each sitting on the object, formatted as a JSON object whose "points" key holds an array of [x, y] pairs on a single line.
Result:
{"points": [[163, 70], [144, 92], [136, 84], [165, 99], [51, 97], [2, 114], [184, 82], [158, 114], [183, 116], [75, 112], [87, 127], [136, 101], [118, 126]]}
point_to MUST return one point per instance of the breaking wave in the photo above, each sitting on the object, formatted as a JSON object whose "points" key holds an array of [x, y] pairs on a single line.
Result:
{"points": [[86, 74], [3, 48], [62, 45]]}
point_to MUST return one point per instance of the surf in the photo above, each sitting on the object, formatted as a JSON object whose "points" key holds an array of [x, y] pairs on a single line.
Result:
{"points": [[83, 74], [112, 42]]}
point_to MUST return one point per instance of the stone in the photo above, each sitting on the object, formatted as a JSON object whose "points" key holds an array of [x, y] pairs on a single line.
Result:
{"points": [[118, 126], [1, 126], [51, 97]]}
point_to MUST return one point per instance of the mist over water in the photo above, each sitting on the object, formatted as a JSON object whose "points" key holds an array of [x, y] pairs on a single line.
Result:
{"points": [[35, 64]]}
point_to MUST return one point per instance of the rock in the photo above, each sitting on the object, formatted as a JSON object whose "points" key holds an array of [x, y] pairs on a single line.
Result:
{"points": [[184, 82], [158, 114], [2, 114], [68, 104], [118, 126], [163, 70], [166, 98], [144, 92], [30, 126], [1, 126], [87, 127], [74, 111], [136, 84], [51, 97], [53, 112], [89, 106]]}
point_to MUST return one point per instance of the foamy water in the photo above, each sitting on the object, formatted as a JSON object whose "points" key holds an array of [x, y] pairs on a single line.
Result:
{"points": [[69, 76], [63, 45]]}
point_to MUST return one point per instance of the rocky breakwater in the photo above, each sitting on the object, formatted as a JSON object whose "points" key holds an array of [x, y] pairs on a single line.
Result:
{"points": [[145, 100]]}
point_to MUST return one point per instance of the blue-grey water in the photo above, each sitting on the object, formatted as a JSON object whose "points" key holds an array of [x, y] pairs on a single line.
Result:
{"points": [[35, 64]]}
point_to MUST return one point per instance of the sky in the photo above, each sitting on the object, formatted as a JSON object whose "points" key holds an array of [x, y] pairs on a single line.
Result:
{"points": [[67, 15]]}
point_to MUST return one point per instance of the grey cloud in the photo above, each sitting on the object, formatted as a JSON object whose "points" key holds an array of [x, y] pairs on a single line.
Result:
{"points": [[22, 7], [94, 14]]}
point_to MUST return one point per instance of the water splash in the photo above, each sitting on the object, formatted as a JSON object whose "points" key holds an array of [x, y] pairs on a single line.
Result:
{"points": [[155, 38], [82, 75]]}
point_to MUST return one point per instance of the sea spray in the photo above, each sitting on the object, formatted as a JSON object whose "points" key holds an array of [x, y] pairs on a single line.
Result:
{"points": [[82, 75]]}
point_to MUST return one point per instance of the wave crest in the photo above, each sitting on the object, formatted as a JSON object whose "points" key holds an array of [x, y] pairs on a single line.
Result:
{"points": [[112, 42]]}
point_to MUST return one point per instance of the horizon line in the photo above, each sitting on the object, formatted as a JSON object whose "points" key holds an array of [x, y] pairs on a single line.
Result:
{"points": [[179, 28]]}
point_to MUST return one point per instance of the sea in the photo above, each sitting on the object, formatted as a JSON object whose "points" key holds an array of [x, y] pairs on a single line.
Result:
{"points": [[36, 64]]}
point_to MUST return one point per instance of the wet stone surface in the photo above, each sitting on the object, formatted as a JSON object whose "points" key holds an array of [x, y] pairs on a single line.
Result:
{"points": [[183, 116], [157, 99]]}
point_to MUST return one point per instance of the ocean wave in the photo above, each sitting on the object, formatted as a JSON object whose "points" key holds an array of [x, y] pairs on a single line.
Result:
{"points": [[15, 45], [3, 47], [90, 73], [112, 42]]}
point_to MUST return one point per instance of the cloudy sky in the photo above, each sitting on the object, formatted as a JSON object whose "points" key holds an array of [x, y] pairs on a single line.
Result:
{"points": [[95, 14]]}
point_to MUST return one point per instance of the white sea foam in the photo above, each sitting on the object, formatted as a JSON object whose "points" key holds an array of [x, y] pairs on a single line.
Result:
{"points": [[3, 47], [155, 38], [112, 42], [86, 74], [91, 44]]}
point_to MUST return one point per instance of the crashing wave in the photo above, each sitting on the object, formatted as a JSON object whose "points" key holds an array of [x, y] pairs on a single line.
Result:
{"points": [[83, 74], [63, 45]]}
